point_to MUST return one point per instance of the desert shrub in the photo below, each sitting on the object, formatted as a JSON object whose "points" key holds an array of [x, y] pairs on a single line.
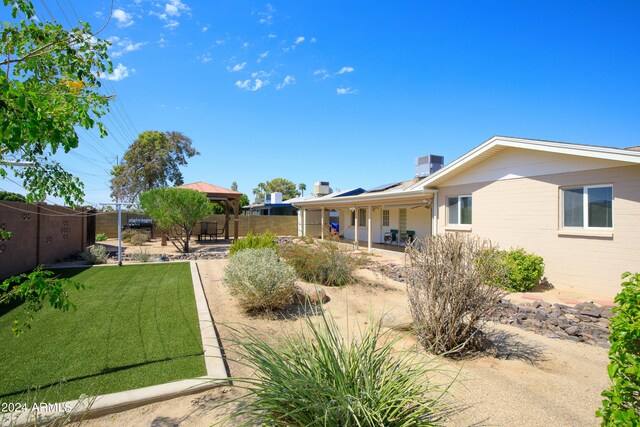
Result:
{"points": [[138, 239], [143, 255], [523, 270], [132, 235], [95, 254], [324, 264], [318, 377], [101, 237], [251, 241], [259, 281], [450, 291], [621, 406]]}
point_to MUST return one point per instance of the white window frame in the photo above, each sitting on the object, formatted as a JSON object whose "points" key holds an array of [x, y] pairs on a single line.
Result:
{"points": [[388, 218], [585, 207], [362, 219], [459, 224]]}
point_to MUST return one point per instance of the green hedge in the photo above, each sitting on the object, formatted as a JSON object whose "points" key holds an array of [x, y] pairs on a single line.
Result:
{"points": [[621, 406]]}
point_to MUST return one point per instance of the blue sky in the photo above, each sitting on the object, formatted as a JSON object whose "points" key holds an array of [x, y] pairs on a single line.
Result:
{"points": [[352, 92]]}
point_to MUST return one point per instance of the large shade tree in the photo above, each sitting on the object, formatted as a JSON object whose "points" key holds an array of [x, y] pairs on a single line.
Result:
{"points": [[288, 189], [176, 212], [152, 161], [49, 81]]}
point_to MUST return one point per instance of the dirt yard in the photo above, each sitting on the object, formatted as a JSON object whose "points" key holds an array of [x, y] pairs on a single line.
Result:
{"points": [[528, 380]]}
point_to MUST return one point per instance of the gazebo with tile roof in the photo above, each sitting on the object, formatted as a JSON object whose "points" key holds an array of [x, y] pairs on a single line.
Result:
{"points": [[219, 194]]}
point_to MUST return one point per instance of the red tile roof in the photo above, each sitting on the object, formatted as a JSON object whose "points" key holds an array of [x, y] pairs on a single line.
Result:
{"points": [[210, 189]]}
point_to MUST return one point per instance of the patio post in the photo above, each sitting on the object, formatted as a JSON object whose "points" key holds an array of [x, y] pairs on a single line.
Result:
{"points": [[236, 220], [357, 215], [369, 229], [434, 214], [226, 220], [304, 223], [322, 223]]}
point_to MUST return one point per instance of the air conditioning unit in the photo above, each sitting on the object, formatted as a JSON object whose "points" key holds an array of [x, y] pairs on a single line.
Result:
{"points": [[426, 165], [321, 188]]}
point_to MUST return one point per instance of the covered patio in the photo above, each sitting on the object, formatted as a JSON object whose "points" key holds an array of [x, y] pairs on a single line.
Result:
{"points": [[391, 216], [228, 198]]}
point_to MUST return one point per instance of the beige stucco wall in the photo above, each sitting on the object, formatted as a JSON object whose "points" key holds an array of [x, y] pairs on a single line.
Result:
{"points": [[524, 212]]}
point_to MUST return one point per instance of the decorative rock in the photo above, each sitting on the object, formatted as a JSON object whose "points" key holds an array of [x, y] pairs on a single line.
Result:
{"points": [[591, 313], [311, 293]]}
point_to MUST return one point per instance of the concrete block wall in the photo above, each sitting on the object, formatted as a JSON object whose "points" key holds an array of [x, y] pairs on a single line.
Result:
{"points": [[41, 234], [280, 225]]}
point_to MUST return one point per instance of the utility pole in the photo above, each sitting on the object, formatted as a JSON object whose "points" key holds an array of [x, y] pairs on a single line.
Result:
{"points": [[119, 210]]}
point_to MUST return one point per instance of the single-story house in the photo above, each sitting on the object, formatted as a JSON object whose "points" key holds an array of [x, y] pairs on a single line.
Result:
{"points": [[575, 205]]}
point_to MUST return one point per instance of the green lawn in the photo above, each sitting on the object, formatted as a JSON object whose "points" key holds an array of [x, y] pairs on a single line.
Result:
{"points": [[134, 326]]}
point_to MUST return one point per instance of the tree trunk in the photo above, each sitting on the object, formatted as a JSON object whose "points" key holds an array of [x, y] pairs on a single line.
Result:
{"points": [[186, 242]]}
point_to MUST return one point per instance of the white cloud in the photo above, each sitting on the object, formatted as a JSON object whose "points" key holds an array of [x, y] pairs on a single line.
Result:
{"points": [[119, 73], [162, 42], [124, 19], [299, 40], [322, 73], [262, 56], [237, 67], [247, 84], [272, 36], [245, 45], [313, 40], [171, 25], [288, 80], [266, 17], [219, 42], [345, 91], [262, 74], [204, 58], [344, 70], [205, 29], [122, 46], [176, 8]]}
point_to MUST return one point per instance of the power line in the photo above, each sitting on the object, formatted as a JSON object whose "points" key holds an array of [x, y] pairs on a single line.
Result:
{"points": [[64, 14]]}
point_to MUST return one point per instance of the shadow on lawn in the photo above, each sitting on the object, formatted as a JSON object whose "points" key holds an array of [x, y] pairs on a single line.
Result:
{"points": [[102, 372]]}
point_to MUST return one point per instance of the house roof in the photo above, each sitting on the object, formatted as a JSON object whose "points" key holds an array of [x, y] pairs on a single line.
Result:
{"points": [[211, 190], [498, 143]]}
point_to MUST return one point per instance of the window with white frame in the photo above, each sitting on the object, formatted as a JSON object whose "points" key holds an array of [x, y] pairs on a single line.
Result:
{"points": [[385, 217], [362, 217], [459, 210], [589, 206]]}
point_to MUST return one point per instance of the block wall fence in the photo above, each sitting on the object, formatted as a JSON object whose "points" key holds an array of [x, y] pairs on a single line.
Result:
{"points": [[41, 234], [280, 225]]}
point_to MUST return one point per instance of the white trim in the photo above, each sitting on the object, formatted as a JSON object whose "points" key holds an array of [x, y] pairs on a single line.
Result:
{"points": [[459, 223], [585, 208], [498, 142]]}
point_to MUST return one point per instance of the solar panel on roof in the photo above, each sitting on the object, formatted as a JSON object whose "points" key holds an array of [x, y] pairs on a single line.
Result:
{"points": [[383, 187]]}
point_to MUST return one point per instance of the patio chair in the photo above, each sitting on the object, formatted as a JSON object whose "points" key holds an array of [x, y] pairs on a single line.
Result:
{"points": [[208, 230], [394, 236], [411, 236]]}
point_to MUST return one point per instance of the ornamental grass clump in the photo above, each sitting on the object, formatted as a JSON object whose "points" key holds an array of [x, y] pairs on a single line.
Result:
{"points": [[318, 377], [451, 294], [252, 241], [621, 406], [323, 263], [259, 281]]}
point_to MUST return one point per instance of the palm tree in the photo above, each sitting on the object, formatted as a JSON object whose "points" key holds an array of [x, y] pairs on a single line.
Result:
{"points": [[302, 187]]}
